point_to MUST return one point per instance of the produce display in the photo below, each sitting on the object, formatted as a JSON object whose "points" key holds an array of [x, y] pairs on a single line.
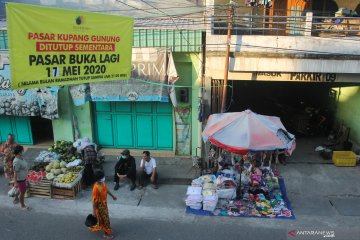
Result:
{"points": [[61, 165], [35, 176], [76, 169], [70, 157], [66, 178], [50, 176], [46, 156], [40, 167], [60, 147]]}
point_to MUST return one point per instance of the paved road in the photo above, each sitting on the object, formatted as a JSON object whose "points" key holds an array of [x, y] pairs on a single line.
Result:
{"points": [[18, 224]]}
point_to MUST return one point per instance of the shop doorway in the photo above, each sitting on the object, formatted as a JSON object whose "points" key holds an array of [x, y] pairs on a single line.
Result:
{"points": [[42, 131], [306, 109], [328, 7], [134, 125]]}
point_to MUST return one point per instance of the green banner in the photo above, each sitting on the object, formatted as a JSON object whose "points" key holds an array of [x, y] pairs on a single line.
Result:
{"points": [[50, 46]]}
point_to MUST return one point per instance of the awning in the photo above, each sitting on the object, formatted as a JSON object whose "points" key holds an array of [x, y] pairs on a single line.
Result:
{"points": [[32, 102], [149, 81]]}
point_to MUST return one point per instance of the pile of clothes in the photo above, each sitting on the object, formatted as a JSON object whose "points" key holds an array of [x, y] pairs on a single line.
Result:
{"points": [[259, 194], [210, 197], [194, 197]]}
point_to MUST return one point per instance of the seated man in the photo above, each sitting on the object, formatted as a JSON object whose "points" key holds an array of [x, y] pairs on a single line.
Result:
{"points": [[125, 168], [148, 170]]}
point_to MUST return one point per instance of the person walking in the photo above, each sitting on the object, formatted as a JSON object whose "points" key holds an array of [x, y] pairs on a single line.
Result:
{"points": [[21, 168], [125, 168], [148, 170], [100, 208], [7, 153]]}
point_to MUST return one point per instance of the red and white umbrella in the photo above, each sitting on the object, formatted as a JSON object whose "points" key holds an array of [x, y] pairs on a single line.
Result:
{"points": [[241, 132]]}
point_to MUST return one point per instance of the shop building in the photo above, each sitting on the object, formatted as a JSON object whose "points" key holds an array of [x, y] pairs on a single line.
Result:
{"points": [[286, 67], [128, 122]]}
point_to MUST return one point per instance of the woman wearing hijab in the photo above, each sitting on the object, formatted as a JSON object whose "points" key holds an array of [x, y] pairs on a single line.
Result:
{"points": [[100, 208], [89, 156]]}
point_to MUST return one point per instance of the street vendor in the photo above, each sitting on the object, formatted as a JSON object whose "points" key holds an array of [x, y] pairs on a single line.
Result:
{"points": [[256, 173], [125, 168], [89, 155], [7, 155]]}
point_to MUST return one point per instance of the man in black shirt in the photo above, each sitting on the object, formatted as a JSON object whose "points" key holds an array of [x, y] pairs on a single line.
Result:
{"points": [[125, 168]]}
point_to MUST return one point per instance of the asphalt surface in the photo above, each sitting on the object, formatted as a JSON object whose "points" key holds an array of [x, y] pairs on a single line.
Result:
{"points": [[18, 224]]}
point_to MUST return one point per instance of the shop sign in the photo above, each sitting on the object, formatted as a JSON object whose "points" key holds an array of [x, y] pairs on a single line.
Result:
{"points": [[50, 46], [31, 102], [299, 76], [148, 81]]}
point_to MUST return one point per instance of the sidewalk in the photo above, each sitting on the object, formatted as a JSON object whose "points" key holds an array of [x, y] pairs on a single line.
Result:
{"points": [[322, 196], [172, 170]]}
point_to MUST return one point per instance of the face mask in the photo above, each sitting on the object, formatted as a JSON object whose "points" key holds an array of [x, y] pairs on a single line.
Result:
{"points": [[102, 180], [124, 157]]}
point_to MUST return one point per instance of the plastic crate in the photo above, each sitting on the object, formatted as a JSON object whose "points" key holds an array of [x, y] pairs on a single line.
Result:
{"points": [[344, 158]]}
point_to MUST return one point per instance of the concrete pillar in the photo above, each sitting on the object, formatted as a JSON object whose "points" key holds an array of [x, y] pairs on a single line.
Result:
{"points": [[308, 23]]}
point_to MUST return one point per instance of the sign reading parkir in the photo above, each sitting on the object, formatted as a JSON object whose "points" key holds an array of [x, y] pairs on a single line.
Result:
{"points": [[51, 46]]}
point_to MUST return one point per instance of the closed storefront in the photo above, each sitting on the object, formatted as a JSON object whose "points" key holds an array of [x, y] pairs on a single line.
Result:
{"points": [[19, 126], [137, 125]]}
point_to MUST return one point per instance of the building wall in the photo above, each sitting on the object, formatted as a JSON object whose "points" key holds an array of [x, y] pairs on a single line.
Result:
{"points": [[284, 54], [348, 110], [186, 114], [186, 44], [62, 127], [83, 119]]}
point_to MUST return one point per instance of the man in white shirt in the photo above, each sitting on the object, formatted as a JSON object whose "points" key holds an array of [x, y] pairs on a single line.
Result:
{"points": [[148, 170]]}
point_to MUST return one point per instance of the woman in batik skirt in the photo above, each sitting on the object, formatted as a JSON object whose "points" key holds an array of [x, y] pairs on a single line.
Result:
{"points": [[100, 208]]}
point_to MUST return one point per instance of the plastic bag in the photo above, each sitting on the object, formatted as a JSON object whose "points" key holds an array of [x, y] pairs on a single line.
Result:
{"points": [[13, 192]]}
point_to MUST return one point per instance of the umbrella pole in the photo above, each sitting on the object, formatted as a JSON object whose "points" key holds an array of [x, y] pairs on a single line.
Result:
{"points": [[238, 188]]}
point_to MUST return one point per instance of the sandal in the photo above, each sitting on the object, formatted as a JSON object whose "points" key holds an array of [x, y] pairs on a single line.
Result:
{"points": [[108, 237], [27, 208]]}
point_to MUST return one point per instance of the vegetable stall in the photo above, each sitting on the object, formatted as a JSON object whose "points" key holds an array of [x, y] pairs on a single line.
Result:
{"points": [[57, 172]]}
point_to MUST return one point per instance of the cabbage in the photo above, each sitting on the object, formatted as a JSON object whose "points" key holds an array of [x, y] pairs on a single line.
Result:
{"points": [[56, 165], [49, 176], [57, 172], [62, 164]]}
